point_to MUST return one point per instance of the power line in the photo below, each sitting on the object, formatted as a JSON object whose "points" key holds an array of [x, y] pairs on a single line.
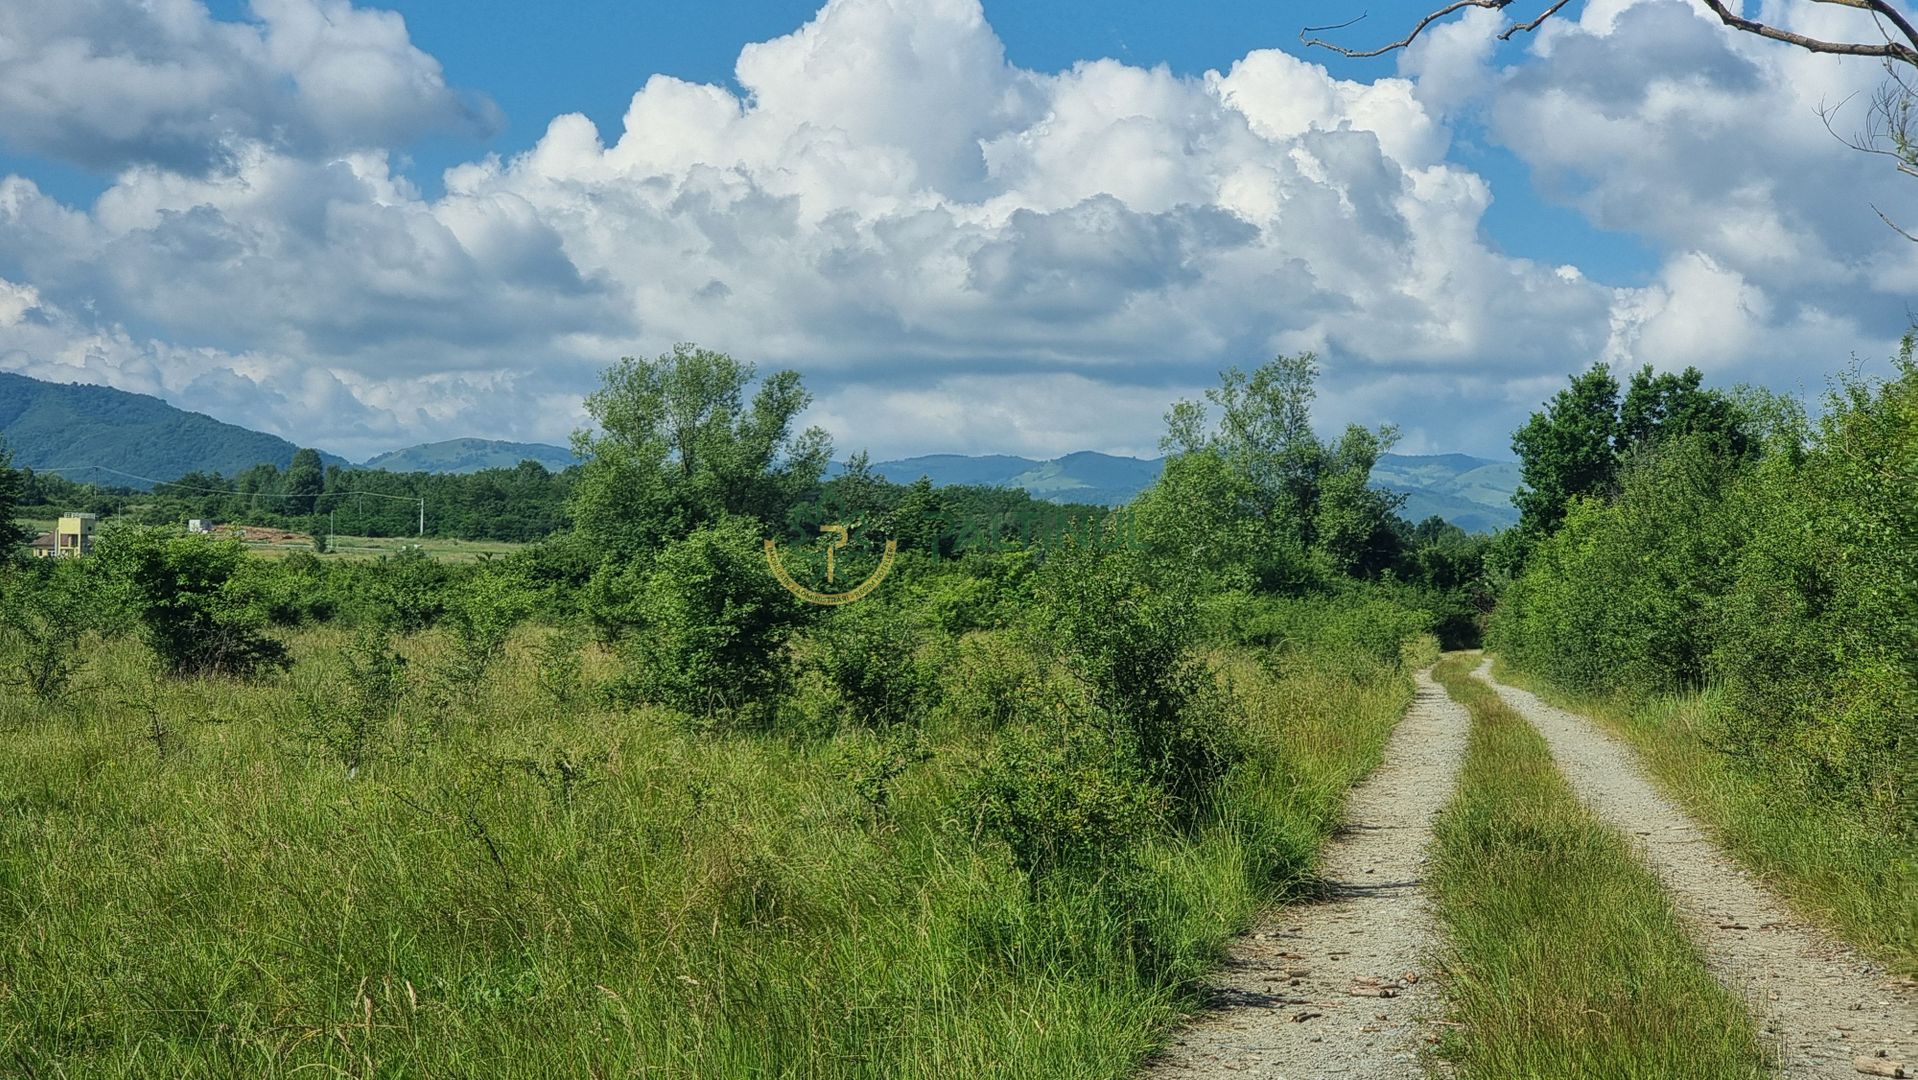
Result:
{"points": [[236, 491]]}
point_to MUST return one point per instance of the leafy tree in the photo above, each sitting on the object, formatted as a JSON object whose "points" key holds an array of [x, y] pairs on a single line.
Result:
{"points": [[13, 486], [1586, 435], [1664, 406], [679, 449], [1567, 450], [1262, 490], [305, 481]]}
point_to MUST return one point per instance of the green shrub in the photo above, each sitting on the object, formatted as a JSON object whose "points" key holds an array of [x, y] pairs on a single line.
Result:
{"points": [[352, 722], [714, 628], [181, 591], [481, 613], [1128, 636], [869, 655], [1067, 797], [404, 593], [292, 591], [45, 613]]}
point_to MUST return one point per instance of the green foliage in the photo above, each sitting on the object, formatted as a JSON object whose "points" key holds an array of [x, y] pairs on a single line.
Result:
{"points": [[1817, 637], [678, 449], [293, 591], [403, 593], [13, 485], [1128, 635], [714, 628], [352, 721], [481, 613], [559, 665], [305, 480], [1068, 797], [44, 617], [614, 599], [1586, 435], [869, 656], [1789, 579], [182, 592], [1259, 498], [1567, 450]]}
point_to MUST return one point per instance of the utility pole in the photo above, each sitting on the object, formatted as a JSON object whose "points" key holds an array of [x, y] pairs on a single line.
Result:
{"points": [[422, 519]]}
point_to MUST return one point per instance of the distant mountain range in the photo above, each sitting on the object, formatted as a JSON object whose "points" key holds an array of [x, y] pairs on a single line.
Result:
{"points": [[96, 434], [1473, 493], [122, 438], [1084, 477], [472, 455]]}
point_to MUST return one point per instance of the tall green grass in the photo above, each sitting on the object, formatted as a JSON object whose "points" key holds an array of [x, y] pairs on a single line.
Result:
{"points": [[1818, 853], [1565, 957], [518, 888]]}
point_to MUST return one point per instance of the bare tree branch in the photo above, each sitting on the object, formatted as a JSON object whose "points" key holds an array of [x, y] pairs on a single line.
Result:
{"points": [[1455, 6], [1888, 50], [1904, 52], [1893, 224], [1528, 27]]}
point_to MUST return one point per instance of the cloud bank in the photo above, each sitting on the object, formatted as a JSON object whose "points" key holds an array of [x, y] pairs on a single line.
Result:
{"points": [[958, 253]]}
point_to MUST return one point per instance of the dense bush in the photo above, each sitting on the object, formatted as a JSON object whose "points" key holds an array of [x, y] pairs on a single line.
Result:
{"points": [[869, 656], [1128, 634], [182, 592], [713, 628], [44, 615]]}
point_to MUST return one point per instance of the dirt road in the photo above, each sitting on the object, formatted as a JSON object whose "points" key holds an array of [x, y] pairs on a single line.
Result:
{"points": [[1816, 1000], [1334, 988]]}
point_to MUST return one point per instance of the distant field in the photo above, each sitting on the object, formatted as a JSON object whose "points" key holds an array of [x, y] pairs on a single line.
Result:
{"points": [[372, 547], [354, 547]]}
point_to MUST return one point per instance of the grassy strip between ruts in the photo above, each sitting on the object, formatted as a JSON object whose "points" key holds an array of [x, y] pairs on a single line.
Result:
{"points": [[1828, 863], [1565, 958]]}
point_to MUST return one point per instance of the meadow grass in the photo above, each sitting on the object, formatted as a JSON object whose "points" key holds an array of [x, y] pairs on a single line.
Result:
{"points": [[1565, 958], [516, 886], [1853, 874]]}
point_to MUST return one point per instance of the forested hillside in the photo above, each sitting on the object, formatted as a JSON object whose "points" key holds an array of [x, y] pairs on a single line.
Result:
{"points": [[53, 425]]}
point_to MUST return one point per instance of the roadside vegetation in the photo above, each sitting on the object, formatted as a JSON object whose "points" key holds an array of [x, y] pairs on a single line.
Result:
{"points": [[1565, 957], [616, 802], [1734, 587]]}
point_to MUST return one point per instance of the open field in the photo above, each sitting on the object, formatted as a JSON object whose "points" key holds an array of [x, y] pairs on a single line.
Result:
{"points": [[521, 884], [350, 547], [373, 547]]}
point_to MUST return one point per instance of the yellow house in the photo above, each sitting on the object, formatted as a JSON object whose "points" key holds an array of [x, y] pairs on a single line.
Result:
{"points": [[71, 535]]}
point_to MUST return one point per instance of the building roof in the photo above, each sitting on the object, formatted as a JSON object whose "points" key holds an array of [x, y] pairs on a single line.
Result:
{"points": [[44, 540]]}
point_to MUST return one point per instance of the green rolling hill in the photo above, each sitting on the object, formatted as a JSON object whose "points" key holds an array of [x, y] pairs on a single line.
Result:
{"points": [[120, 435]]}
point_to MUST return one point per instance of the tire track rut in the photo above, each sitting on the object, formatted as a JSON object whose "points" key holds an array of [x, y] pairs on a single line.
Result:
{"points": [[1295, 998]]}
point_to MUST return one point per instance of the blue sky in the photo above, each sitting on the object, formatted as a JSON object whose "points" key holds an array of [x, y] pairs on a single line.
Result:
{"points": [[1017, 227]]}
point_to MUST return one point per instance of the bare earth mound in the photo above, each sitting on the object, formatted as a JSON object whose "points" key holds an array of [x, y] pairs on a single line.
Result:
{"points": [[1334, 987], [1818, 1002]]}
